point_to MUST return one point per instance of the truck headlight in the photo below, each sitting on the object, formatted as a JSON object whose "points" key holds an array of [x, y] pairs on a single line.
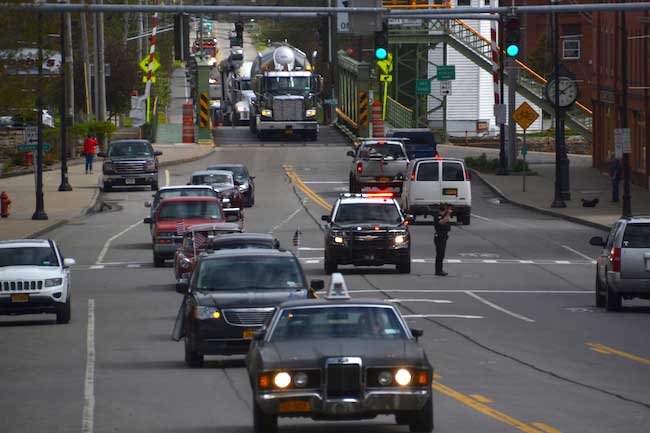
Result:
{"points": [[204, 313], [400, 239], [385, 378], [300, 379], [108, 167], [241, 108], [267, 113], [150, 166], [338, 238], [282, 379], [403, 377], [53, 282], [310, 113]]}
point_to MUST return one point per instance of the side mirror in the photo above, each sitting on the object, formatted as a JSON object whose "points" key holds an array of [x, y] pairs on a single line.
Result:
{"points": [[147, 204], [148, 220], [417, 333], [259, 334], [597, 241], [252, 177], [350, 153], [157, 153], [101, 154], [69, 262], [325, 218], [317, 285]]}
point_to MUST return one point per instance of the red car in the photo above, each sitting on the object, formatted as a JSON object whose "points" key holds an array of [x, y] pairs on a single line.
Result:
{"points": [[175, 216], [195, 242]]}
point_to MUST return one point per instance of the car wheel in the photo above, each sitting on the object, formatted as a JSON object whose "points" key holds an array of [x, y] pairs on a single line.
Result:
{"points": [[466, 219], [612, 300], [154, 186], [422, 420], [107, 188], [330, 265], [63, 313], [192, 359], [252, 199], [262, 422], [404, 267], [158, 261], [600, 296], [401, 418]]}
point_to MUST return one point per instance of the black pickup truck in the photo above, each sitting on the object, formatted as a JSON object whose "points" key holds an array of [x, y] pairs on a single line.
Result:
{"points": [[129, 163]]}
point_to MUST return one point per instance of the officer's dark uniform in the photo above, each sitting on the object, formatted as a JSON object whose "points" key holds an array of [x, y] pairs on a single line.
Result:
{"points": [[440, 240]]}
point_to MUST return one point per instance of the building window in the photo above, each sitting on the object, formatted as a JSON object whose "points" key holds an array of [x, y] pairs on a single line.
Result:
{"points": [[571, 48], [464, 2]]}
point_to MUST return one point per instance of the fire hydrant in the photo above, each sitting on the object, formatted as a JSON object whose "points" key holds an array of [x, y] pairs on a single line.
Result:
{"points": [[4, 204]]}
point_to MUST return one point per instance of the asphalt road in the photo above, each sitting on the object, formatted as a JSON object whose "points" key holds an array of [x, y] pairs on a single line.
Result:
{"points": [[512, 331]]}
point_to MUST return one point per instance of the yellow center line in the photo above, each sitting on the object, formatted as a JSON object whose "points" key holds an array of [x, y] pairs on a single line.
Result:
{"points": [[481, 398], [546, 428], [601, 348], [295, 179]]}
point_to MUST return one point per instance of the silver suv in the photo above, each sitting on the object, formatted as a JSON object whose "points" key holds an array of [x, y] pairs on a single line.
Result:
{"points": [[378, 163], [623, 266]]}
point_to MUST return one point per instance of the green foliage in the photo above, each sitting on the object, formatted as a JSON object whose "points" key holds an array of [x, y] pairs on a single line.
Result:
{"points": [[485, 165], [540, 58]]}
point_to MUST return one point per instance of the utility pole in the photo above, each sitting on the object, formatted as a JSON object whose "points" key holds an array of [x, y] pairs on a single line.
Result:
{"points": [[627, 202], [65, 185], [502, 169], [69, 70], [558, 201], [512, 102], [39, 213], [140, 32], [101, 78], [85, 58], [96, 62]]}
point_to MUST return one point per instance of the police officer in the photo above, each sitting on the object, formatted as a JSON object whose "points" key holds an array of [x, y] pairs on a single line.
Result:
{"points": [[441, 223]]}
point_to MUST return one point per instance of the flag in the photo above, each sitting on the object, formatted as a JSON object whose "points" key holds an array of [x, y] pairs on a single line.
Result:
{"points": [[200, 240], [180, 227]]}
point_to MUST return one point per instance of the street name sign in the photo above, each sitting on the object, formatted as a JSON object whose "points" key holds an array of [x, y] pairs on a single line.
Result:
{"points": [[33, 147], [525, 115], [332, 101], [446, 72], [445, 88], [622, 141], [422, 87]]}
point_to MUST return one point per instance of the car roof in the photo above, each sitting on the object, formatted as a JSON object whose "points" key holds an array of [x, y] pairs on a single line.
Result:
{"points": [[637, 219], [250, 252], [215, 227], [323, 302], [382, 141], [225, 164], [193, 198], [366, 200], [168, 188], [204, 172], [440, 158], [130, 140], [24, 243], [244, 236]]}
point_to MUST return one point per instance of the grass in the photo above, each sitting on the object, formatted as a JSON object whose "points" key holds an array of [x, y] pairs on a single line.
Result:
{"points": [[485, 165]]}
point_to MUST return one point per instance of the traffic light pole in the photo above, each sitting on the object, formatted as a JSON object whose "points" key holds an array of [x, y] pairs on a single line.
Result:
{"points": [[39, 212], [558, 202], [512, 102], [502, 170]]}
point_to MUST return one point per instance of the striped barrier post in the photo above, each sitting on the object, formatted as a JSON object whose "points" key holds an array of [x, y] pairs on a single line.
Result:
{"points": [[363, 110], [188, 123], [204, 110]]}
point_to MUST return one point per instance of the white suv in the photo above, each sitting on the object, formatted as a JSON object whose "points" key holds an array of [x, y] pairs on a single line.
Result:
{"points": [[432, 181], [34, 278]]}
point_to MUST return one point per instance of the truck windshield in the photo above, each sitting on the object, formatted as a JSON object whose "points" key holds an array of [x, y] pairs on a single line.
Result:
{"points": [[364, 212], [245, 84], [382, 150], [249, 273], [190, 209], [290, 85], [129, 149]]}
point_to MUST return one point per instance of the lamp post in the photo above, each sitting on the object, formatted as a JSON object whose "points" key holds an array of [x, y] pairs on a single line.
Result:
{"points": [[627, 202], [558, 201], [39, 213], [65, 185]]}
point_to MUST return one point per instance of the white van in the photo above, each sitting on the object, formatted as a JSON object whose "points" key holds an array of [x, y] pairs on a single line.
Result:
{"points": [[431, 181]]}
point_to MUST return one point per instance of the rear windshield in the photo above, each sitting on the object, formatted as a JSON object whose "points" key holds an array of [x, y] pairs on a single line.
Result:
{"points": [[130, 149], [364, 212], [211, 179], [194, 192], [249, 273], [637, 236], [386, 150], [28, 256], [452, 171], [190, 209], [238, 172], [428, 172]]}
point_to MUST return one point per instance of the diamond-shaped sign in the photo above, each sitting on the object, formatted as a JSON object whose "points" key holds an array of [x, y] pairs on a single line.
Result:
{"points": [[524, 115], [153, 79], [144, 64]]}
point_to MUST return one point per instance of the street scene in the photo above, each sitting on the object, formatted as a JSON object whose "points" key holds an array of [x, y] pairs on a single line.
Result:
{"points": [[353, 216]]}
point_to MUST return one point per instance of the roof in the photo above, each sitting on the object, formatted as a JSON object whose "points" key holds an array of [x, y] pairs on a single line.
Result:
{"points": [[366, 200], [165, 188], [130, 140], [23, 243], [193, 198], [440, 158], [215, 227], [322, 302], [634, 219], [248, 252], [224, 164], [206, 172], [244, 236]]}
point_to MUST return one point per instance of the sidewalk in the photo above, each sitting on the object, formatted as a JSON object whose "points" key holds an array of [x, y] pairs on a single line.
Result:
{"points": [[586, 182], [62, 207]]}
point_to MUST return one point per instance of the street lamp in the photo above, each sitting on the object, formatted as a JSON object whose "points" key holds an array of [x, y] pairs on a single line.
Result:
{"points": [[65, 185], [39, 212]]}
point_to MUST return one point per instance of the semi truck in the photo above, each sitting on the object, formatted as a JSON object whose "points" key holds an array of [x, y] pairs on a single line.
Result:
{"points": [[236, 94], [286, 92]]}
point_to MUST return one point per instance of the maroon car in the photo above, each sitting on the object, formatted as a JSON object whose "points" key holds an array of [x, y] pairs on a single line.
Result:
{"points": [[223, 183]]}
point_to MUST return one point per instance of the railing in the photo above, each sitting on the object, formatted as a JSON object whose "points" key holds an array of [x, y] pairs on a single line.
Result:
{"points": [[414, 4], [397, 114]]}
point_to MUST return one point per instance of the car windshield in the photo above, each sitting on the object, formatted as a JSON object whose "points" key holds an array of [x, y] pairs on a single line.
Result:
{"points": [[249, 273], [386, 150], [637, 236], [288, 85], [190, 209], [238, 172], [28, 256], [363, 212], [130, 149], [212, 179], [368, 322]]}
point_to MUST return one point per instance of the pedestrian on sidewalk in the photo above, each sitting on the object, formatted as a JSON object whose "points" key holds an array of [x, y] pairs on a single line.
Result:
{"points": [[441, 224], [615, 170], [90, 148]]}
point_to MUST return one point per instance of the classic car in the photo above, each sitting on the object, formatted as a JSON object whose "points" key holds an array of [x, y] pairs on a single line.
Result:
{"points": [[244, 240], [338, 358], [223, 182], [243, 180], [178, 191]]}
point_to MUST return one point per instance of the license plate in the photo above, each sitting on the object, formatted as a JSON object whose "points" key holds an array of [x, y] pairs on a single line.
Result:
{"points": [[129, 181], [295, 406], [248, 333], [384, 179], [21, 297], [450, 191]]}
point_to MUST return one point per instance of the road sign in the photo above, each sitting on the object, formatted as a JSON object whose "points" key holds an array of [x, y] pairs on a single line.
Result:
{"points": [[385, 78], [332, 101], [524, 151], [33, 147], [144, 64], [446, 72], [525, 115], [342, 18], [622, 140], [422, 87], [445, 88], [153, 79], [500, 114], [386, 65], [31, 135]]}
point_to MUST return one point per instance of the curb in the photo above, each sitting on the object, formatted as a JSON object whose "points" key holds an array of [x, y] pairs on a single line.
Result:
{"points": [[507, 199]]}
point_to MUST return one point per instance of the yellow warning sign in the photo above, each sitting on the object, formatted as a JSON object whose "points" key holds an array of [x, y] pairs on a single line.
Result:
{"points": [[144, 64], [204, 113], [153, 79], [386, 65], [385, 78], [525, 115]]}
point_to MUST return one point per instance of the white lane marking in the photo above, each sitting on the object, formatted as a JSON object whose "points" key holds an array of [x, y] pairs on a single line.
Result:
{"points": [[124, 263], [167, 177], [435, 301], [584, 256], [563, 262], [496, 307], [286, 220], [133, 266], [490, 261], [311, 249], [494, 221], [97, 267], [526, 262], [455, 316], [104, 250], [453, 261], [311, 262], [419, 261], [324, 181], [88, 415], [526, 292]]}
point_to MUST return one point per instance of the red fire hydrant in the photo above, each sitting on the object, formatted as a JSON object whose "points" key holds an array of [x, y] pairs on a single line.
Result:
{"points": [[4, 204]]}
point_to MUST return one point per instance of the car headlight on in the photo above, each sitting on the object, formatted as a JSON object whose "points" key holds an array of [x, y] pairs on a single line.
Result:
{"points": [[241, 108], [385, 378], [310, 113], [53, 282], [205, 313], [282, 379], [300, 379], [244, 186], [267, 113], [403, 377], [400, 239], [338, 239]]}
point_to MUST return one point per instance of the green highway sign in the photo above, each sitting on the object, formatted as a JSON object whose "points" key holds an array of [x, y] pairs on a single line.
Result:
{"points": [[32, 147], [422, 87], [446, 72]]}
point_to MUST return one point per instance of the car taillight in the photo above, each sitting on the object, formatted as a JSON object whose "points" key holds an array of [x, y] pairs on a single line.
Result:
{"points": [[468, 176], [615, 259], [359, 167], [413, 175]]}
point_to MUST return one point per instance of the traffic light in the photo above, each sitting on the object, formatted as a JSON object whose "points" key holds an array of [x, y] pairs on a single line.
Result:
{"points": [[513, 35], [181, 36], [381, 43]]}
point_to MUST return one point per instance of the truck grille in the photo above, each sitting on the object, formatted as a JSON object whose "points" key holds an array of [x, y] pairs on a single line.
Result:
{"points": [[128, 167], [288, 109], [248, 316], [369, 240], [21, 286], [343, 380]]}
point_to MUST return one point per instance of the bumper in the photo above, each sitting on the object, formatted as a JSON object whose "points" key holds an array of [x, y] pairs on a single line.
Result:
{"points": [[221, 346], [130, 179], [166, 250], [298, 125], [368, 257], [373, 181], [43, 302], [635, 287], [372, 403], [431, 208]]}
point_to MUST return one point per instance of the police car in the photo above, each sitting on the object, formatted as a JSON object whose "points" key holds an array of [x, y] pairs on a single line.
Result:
{"points": [[339, 359], [367, 230]]}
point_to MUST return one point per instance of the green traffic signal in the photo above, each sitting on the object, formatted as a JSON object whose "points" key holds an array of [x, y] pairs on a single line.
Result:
{"points": [[512, 50], [381, 53]]}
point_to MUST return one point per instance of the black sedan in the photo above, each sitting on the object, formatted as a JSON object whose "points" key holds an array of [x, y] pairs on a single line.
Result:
{"points": [[339, 359], [243, 180]]}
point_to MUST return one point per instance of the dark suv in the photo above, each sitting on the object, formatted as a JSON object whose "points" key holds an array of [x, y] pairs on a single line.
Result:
{"points": [[129, 163]]}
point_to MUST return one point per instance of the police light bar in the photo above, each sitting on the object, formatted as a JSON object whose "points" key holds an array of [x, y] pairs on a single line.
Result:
{"points": [[338, 289], [380, 194]]}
